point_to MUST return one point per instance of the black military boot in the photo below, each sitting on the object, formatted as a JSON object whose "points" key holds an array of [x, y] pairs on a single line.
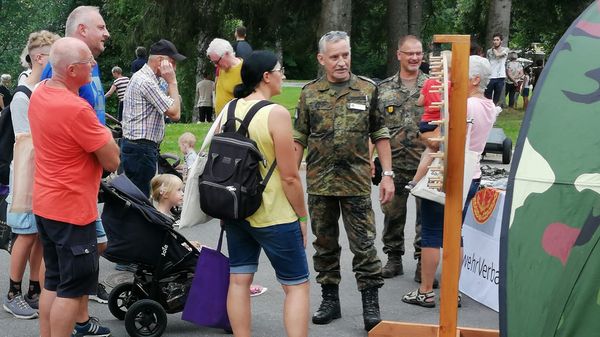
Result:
{"points": [[370, 303], [393, 267], [436, 284], [330, 306]]}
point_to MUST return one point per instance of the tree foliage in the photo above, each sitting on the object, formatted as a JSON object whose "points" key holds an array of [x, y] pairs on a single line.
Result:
{"points": [[290, 28], [19, 18]]}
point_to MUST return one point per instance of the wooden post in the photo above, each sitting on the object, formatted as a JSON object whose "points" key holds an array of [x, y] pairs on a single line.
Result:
{"points": [[454, 167], [457, 130]]}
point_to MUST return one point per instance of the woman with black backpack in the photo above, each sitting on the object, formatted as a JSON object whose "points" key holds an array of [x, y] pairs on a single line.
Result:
{"points": [[279, 224]]}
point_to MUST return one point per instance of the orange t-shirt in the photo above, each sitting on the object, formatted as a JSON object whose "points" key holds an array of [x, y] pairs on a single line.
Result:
{"points": [[65, 133]]}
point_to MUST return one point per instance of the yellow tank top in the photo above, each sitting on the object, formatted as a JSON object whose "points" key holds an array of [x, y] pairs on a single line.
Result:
{"points": [[275, 208], [226, 82]]}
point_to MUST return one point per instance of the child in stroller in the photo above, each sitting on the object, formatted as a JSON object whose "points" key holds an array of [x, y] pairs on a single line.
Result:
{"points": [[139, 233]]}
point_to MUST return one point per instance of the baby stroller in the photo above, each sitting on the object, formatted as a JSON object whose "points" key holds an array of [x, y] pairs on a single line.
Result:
{"points": [[140, 234]]}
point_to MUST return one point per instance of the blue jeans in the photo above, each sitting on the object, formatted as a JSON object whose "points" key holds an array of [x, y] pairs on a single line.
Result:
{"points": [[282, 244], [472, 191], [138, 161], [494, 89]]}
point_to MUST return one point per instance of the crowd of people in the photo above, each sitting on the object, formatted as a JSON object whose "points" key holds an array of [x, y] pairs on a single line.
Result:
{"points": [[342, 120]]}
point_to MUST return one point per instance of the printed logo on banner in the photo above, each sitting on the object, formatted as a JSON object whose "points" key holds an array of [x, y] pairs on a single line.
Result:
{"points": [[485, 208], [484, 204]]}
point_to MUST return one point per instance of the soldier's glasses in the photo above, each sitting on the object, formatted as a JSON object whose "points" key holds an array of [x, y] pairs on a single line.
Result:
{"points": [[418, 53]]}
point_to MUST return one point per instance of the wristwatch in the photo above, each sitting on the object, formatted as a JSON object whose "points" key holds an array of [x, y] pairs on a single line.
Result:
{"points": [[388, 174]]}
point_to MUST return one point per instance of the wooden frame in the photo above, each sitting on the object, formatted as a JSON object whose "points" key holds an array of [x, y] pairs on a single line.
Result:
{"points": [[456, 135]]}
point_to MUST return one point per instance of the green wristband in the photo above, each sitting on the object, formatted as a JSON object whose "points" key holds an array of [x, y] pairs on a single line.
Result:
{"points": [[302, 218]]}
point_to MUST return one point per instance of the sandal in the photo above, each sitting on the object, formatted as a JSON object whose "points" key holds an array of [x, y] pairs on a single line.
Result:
{"points": [[426, 300], [256, 290]]}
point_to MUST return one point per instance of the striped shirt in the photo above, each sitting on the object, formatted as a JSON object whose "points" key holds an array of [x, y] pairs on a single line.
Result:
{"points": [[144, 107], [121, 84]]}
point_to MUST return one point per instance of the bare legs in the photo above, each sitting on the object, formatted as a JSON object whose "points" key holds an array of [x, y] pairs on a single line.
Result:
{"points": [[57, 314], [430, 259], [238, 304], [27, 247], [295, 309]]}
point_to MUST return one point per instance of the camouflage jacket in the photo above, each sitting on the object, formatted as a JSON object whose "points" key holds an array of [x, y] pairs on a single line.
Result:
{"points": [[335, 129], [402, 116]]}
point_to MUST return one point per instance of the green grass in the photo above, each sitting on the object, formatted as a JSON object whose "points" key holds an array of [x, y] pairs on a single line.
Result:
{"points": [[288, 98], [509, 120]]}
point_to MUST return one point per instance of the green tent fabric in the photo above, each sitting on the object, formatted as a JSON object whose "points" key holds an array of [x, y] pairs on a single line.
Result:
{"points": [[550, 245]]}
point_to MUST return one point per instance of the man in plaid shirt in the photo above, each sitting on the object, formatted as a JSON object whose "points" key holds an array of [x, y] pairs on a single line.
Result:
{"points": [[144, 108]]}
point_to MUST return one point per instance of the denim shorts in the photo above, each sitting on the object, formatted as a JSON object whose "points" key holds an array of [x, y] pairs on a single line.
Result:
{"points": [[426, 127], [71, 257], [432, 224], [21, 223], [282, 244], [100, 233]]}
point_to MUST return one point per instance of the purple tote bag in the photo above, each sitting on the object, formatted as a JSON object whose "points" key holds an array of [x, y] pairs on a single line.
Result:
{"points": [[206, 304]]}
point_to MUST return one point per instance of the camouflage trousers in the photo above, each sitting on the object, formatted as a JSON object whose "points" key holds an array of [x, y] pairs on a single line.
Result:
{"points": [[394, 221], [359, 222]]}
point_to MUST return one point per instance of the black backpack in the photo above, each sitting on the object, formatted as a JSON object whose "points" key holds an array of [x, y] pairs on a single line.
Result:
{"points": [[231, 186], [7, 138]]}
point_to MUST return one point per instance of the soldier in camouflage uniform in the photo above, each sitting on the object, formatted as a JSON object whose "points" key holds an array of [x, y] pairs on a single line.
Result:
{"points": [[397, 100], [336, 116]]}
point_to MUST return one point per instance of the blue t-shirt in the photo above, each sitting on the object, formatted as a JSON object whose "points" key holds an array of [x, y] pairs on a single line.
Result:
{"points": [[92, 92]]}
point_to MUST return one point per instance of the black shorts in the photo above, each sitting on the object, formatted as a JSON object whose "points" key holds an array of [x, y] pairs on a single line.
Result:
{"points": [[525, 92], [71, 257], [426, 127]]}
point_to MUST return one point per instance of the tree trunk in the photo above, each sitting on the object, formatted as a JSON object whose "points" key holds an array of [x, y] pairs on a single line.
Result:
{"points": [[415, 17], [397, 16], [335, 15], [498, 20]]}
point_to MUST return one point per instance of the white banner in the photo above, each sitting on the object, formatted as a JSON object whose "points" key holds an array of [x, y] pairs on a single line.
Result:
{"points": [[480, 271]]}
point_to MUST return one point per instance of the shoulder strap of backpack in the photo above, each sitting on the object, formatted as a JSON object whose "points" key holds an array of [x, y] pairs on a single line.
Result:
{"points": [[263, 183], [23, 89], [253, 110], [229, 125]]}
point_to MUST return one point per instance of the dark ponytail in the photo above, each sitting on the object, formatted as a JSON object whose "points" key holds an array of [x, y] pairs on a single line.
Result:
{"points": [[241, 91]]}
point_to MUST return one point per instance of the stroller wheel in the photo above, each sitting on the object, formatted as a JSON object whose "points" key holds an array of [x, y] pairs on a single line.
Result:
{"points": [[145, 318], [120, 299]]}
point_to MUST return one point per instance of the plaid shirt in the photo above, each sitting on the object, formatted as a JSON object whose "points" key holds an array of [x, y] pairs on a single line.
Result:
{"points": [[144, 107]]}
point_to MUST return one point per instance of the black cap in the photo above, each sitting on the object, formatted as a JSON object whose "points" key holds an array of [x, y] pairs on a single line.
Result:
{"points": [[167, 48]]}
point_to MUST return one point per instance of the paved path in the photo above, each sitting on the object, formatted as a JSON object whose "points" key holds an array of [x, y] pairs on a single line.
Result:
{"points": [[267, 308]]}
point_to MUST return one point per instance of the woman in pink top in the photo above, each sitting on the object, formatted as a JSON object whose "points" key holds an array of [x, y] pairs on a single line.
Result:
{"points": [[483, 112]]}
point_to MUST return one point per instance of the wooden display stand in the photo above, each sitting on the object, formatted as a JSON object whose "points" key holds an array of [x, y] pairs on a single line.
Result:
{"points": [[453, 183]]}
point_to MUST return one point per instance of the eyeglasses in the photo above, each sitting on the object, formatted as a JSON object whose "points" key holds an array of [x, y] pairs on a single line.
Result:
{"points": [[217, 62], [88, 61], [281, 70], [407, 53]]}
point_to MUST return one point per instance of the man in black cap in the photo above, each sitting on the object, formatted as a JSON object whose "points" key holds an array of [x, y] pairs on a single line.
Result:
{"points": [[144, 108]]}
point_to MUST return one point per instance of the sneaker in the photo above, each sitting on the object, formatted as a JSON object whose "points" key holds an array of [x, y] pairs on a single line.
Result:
{"points": [[101, 295], [19, 308], [132, 267], [256, 290], [91, 329], [426, 300], [34, 301]]}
